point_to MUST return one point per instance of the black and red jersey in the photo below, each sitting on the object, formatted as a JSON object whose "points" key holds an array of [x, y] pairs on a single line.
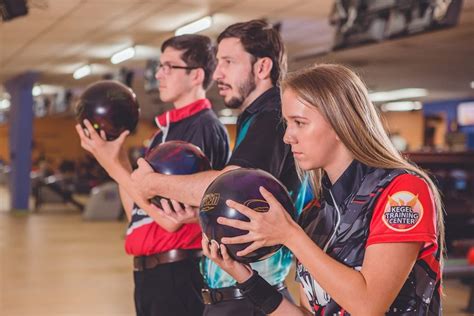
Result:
{"points": [[195, 123], [376, 206]]}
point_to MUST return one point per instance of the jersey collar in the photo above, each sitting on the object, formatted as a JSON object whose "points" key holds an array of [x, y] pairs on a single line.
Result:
{"points": [[177, 115], [348, 182]]}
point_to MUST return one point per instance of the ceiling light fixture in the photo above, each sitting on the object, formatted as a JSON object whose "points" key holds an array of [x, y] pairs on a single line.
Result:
{"points": [[122, 55], [82, 72], [195, 27], [401, 106], [226, 112], [228, 120], [37, 91], [4, 104], [397, 94]]}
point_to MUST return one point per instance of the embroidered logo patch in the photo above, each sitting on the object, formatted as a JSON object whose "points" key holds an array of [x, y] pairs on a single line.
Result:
{"points": [[403, 211]]}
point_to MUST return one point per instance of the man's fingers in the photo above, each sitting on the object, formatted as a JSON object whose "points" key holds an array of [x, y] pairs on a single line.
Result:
{"points": [[82, 136], [103, 135], [165, 205], [80, 131], [122, 137], [143, 164], [178, 208], [90, 130]]}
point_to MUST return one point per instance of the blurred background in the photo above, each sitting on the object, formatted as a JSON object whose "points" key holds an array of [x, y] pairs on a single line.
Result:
{"points": [[61, 247]]}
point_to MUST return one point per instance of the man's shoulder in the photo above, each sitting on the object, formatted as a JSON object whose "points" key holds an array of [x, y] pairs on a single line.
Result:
{"points": [[267, 117], [206, 119]]}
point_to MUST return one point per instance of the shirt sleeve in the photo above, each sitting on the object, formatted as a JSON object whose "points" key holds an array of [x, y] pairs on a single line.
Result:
{"points": [[263, 146], [405, 212]]}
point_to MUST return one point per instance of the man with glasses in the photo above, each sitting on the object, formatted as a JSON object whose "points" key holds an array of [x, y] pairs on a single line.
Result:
{"points": [[167, 253]]}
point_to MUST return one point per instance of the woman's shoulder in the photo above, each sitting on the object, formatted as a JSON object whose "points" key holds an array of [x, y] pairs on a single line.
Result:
{"points": [[409, 179]]}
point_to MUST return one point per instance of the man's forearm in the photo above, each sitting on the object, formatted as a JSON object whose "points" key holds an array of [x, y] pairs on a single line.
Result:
{"points": [[129, 196], [188, 189], [127, 202]]}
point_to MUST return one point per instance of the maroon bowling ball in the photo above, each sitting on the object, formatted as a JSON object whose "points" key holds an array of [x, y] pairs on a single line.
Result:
{"points": [[110, 106], [240, 185], [176, 158]]}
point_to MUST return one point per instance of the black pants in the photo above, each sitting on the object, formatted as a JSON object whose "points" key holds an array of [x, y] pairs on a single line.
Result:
{"points": [[171, 289], [238, 307]]}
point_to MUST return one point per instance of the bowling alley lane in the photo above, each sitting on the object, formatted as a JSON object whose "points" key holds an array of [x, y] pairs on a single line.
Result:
{"points": [[54, 263]]}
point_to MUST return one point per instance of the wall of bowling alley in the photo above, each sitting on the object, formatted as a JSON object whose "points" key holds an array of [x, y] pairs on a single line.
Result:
{"points": [[56, 138]]}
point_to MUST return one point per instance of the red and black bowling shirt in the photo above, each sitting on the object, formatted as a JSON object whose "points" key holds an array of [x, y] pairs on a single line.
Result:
{"points": [[195, 123], [376, 206]]}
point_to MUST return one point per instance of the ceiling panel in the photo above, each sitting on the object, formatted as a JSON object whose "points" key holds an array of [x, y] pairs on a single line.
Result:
{"points": [[69, 33], [313, 9], [172, 16]]}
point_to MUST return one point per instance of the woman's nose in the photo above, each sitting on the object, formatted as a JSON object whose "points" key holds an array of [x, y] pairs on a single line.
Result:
{"points": [[288, 138]]}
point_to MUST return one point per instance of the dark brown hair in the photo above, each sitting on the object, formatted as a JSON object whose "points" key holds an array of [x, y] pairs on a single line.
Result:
{"points": [[260, 39], [198, 51]]}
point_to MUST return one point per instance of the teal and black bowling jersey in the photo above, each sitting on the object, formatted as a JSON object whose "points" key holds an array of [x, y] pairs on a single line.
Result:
{"points": [[259, 144]]}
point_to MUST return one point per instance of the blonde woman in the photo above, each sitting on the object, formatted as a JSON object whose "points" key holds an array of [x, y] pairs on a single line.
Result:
{"points": [[372, 244]]}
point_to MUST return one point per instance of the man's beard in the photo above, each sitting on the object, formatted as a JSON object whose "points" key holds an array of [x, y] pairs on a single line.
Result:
{"points": [[243, 92]]}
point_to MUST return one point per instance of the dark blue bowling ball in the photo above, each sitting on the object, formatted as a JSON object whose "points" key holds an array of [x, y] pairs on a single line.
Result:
{"points": [[240, 185], [176, 158]]}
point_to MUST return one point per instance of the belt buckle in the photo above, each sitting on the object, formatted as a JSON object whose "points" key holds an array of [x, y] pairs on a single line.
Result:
{"points": [[206, 296]]}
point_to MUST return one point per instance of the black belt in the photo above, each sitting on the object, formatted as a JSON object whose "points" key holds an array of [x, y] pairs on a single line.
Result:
{"points": [[141, 263], [214, 296]]}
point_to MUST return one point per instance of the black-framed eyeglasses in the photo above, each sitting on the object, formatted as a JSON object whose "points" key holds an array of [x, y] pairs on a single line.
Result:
{"points": [[168, 67]]}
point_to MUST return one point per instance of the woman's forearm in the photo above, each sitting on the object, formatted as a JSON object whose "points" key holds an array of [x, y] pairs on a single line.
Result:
{"points": [[369, 290], [351, 293]]}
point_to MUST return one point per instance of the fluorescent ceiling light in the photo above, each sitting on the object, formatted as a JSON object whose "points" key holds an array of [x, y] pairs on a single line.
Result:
{"points": [[397, 94], [195, 27], [228, 120], [36, 91], [51, 89], [123, 55], [4, 104], [402, 106], [81, 72], [226, 112]]}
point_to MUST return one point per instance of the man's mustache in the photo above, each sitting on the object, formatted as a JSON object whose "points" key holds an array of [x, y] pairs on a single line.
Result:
{"points": [[223, 84]]}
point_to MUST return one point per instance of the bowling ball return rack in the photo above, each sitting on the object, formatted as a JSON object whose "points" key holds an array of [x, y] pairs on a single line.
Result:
{"points": [[54, 189]]}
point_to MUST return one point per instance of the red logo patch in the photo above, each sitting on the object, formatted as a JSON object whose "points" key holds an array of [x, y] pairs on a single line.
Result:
{"points": [[403, 211]]}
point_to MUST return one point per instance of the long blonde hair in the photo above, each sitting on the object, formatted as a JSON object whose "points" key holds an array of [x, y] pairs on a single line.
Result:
{"points": [[343, 100]]}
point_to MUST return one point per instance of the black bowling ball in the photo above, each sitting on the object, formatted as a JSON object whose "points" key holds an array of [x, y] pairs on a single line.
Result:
{"points": [[176, 158], [110, 106], [242, 186]]}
